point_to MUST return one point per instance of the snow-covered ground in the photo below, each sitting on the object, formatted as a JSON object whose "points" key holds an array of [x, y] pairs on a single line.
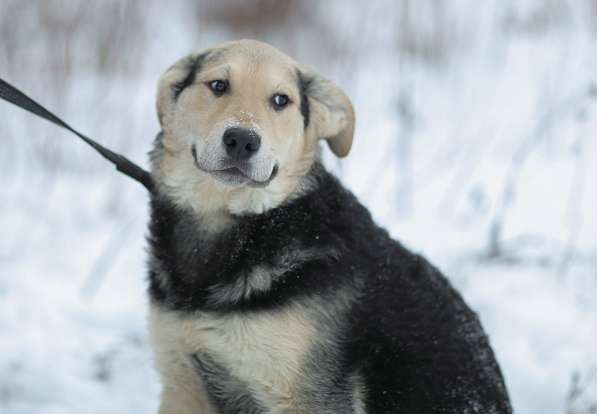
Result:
{"points": [[475, 145]]}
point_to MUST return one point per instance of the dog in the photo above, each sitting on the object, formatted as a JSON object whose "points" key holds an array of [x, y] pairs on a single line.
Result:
{"points": [[271, 288]]}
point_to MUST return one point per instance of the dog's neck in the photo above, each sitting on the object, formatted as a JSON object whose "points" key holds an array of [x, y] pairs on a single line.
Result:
{"points": [[189, 264]]}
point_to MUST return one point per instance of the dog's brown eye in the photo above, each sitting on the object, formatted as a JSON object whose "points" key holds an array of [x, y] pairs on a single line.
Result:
{"points": [[218, 86], [280, 101]]}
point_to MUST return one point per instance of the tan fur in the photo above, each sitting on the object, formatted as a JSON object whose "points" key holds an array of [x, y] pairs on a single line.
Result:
{"points": [[183, 391], [256, 72], [265, 350]]}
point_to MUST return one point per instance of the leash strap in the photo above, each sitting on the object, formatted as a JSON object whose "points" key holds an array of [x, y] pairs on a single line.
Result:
{"points": [[11, 94]]}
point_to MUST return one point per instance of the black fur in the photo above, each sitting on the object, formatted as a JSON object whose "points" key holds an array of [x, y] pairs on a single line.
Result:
{"points": [[303, 85], [417, 346]]}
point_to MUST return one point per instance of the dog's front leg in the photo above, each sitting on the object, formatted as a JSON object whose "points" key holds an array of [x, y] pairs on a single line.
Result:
{"points": [[181, 401]]}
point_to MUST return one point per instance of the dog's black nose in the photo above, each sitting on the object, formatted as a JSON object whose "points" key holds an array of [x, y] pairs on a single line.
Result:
{"points": [[241, 143]]}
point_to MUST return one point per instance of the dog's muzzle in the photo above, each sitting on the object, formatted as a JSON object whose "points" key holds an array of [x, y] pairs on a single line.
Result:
{"points": [[237, 171]]}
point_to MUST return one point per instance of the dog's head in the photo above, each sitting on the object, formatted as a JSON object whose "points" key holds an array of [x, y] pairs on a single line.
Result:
{"points": [[240, 124]]}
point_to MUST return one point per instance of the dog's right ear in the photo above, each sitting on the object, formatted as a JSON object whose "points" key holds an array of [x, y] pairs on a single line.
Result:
{"points": [[173, 82], [328, 111]]}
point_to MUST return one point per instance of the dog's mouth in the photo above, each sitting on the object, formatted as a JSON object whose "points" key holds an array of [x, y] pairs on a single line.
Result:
{"points": [[234, 175]]}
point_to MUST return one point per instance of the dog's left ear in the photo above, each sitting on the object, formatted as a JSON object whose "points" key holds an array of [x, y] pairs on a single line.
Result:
{"points": [[328, 111], [173, 82]]}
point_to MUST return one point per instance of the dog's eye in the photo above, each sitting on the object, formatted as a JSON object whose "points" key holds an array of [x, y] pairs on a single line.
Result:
{"points": [[218, 86], [279, 101]]}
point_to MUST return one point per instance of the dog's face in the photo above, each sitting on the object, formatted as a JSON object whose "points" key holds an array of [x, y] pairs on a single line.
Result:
{"points": [[240, 123]]}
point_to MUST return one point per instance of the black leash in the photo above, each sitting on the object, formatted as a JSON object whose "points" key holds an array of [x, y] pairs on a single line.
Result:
{"points": [[124, 165]]}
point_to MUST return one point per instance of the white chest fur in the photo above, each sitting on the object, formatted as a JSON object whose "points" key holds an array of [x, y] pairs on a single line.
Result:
{"points": [[265, 350]]}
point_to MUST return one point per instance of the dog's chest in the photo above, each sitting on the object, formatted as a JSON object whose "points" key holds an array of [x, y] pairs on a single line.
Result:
{"points": [[265, 347], [262, 353]]}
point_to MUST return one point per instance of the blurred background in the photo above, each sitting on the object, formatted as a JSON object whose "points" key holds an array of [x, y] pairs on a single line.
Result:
{"points": [[475, 145]]}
